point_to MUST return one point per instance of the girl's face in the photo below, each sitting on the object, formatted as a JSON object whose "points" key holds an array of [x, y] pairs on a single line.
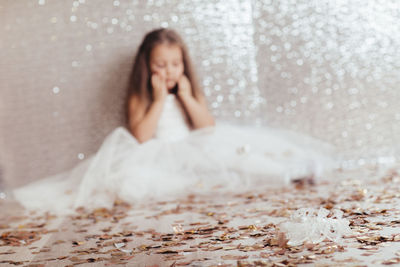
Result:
{"points": [[166, 61]]}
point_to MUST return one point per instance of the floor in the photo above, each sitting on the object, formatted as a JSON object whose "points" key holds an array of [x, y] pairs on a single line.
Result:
{"points": [[218, 229]]}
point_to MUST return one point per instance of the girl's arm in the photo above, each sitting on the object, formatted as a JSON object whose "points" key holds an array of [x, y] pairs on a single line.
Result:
{"points": [[196, 108], [198, 112], [143, 124]]}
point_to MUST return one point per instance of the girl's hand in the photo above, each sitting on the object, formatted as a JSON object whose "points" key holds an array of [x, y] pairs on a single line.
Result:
{"points": [[184, 87], [159, 85]]}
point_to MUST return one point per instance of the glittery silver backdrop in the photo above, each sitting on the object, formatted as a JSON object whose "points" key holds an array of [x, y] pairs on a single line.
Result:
{"points": [[331, 69], [325, 68]]}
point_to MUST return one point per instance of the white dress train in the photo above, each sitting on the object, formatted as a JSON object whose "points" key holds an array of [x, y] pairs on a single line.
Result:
{"points": [[178, 161]]}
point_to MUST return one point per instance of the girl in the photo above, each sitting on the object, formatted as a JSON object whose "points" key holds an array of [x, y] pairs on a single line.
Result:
{"points": [[172, 144], [162, 67]]}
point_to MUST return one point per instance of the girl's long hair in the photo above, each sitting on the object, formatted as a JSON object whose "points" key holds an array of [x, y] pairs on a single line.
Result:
{"points": [[139, 83]]}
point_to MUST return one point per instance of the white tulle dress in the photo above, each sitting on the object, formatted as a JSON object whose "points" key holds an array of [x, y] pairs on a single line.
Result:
{"points": [[178, 161]]}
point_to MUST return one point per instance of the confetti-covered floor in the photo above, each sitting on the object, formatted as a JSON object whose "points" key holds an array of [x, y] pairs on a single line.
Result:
{"points": [[235, 229]]}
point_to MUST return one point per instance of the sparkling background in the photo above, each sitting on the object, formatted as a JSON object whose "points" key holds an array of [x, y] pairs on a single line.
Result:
{"points": [[324, 68]]}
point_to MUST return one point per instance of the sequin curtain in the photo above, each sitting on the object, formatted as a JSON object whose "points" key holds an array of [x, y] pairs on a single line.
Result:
{"points": [[328, 69]]}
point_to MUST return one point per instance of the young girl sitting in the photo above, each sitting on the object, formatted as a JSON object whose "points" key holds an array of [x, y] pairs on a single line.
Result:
{"points": [[172, 145], [162, 67]]}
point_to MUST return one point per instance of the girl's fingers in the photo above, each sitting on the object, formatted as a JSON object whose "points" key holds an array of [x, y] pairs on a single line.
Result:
{"points": [[181, 80], [184, 81], [158, 84], [156, 79]]}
